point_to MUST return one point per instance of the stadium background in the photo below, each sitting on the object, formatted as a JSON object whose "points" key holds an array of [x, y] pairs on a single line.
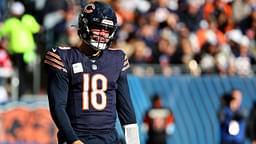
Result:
{"points": [[164, 59]]}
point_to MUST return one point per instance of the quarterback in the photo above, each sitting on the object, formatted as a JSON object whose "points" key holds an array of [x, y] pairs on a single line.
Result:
{"points": [[87, 85]]}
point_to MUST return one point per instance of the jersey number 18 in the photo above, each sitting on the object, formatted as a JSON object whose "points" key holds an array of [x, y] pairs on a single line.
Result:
{"points": [[90, 97]]}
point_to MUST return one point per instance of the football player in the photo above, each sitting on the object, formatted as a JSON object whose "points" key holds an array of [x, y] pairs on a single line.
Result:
{"points": [[88, 85]]}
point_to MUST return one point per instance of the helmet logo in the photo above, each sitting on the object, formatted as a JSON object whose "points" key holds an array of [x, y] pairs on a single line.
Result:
{"points": [[89, 8]]}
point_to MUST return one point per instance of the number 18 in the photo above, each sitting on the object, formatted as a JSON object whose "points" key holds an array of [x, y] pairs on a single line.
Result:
{"points": [[91, 97]]}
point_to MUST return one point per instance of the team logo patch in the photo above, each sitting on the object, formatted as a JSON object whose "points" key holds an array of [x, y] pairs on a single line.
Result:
{"points": [[89, 8], [77, 68]]}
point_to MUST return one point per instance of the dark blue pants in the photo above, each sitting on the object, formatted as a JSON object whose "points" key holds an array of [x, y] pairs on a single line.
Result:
{"points": [[109, 137]]}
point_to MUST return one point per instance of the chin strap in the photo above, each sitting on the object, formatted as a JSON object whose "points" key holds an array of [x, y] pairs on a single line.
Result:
{"points": [[131, 134]]}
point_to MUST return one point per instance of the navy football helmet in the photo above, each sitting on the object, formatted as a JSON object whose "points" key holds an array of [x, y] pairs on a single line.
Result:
{"points": [[97, 18]]}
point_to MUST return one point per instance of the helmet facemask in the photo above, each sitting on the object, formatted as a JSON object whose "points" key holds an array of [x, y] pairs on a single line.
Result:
{"points": [[101, 35]]}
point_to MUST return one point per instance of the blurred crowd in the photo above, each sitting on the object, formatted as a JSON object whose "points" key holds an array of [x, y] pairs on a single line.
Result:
{"points": [[166, 36], [206, 36]]}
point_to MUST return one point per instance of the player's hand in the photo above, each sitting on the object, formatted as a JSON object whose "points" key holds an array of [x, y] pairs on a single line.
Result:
{"points": [[77, 142]]}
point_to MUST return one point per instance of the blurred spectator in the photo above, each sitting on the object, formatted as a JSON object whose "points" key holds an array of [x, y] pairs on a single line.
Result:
{"points": [[208, 57], [184, 49], [161, 9], [56, 14], [244, 60], [141, 53], [232, 119], [19, 29], [63, 32], [126, 9], [5, 71], [158, 122], [248, 27], [191, 15], [241, 9], [5, 62], [148, 33], [207, 27], [251, 125], [165, 49], [222, 11], [233, 38], [248, 23]]}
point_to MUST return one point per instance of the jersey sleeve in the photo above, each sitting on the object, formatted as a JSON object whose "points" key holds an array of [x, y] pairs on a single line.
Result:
{"points": [[125, 108], [57, 90]]}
